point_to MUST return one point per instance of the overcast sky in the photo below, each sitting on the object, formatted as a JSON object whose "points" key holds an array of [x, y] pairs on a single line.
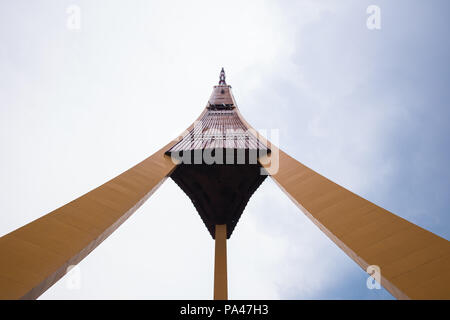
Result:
{"points": [[366, 108]]}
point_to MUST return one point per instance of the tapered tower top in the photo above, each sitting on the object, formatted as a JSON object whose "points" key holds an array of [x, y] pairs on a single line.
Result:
{"points": [[222, 78], [221, 97]]}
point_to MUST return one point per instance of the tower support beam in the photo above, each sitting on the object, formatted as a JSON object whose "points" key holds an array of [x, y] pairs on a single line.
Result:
{"points": [[411, 262], [220, 263], [35, 256]]}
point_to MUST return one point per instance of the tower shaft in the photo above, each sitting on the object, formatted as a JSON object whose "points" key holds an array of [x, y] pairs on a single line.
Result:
{"points": [[220, 263]]}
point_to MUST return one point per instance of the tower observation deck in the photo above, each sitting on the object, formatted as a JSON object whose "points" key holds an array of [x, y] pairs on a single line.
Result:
{"points": [[218, 167]]}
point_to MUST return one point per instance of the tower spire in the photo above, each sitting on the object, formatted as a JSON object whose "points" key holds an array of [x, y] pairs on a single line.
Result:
{"points": [[222, 78]]}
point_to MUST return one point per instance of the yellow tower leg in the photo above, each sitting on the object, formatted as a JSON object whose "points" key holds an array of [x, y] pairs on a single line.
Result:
{"points": [[220, 263]]}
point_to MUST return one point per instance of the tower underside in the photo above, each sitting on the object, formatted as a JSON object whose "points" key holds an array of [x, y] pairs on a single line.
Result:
{"points": [[219, 192], [219, 169]]}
